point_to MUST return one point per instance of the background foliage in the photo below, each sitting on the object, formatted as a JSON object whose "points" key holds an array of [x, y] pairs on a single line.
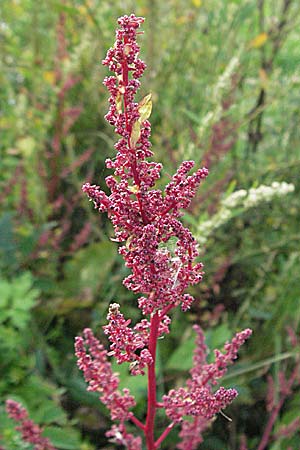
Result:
{"points": [[225, 82]]}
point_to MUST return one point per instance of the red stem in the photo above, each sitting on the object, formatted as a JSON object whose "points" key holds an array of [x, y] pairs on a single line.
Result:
{"points": [[149, 429], [166, 310], [137, 422], [166, 210], [268, 430], [164, 434]]}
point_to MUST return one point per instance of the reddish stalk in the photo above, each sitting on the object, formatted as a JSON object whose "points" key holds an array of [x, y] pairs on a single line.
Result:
{"points": [[149, 430], [137, 422], [272, 419], [164, 434]]}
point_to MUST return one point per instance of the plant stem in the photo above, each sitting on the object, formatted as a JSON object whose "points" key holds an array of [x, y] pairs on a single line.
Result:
{"points": [[164, 434], [137, 422], [272, 419], [149, 429]]}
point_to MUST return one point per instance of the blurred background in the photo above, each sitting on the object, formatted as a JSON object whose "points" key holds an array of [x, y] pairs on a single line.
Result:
{"points": [[225, 82]]}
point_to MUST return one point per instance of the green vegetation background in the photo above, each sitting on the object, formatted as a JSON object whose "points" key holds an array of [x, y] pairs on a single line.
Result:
{"points": [[225, 82]]}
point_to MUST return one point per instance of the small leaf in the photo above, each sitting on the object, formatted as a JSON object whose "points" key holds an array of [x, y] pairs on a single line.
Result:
{"points": [[127, 49], [49, 412], [134, 189], [119, 103], [145, 108], [135, 134], [259, 40]]}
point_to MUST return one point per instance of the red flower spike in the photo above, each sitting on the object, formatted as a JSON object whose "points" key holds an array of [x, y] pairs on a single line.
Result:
{"points": [[161, 254]]}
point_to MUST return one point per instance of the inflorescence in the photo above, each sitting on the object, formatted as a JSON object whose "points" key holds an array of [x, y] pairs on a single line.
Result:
{"points": [[145, 221]]}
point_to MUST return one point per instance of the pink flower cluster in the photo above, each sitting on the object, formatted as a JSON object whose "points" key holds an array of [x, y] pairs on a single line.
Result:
{"points": [[198, 398], [145, 218], [92, 360], [131, 344], [31, 433], [162, 256], [125, 341]]}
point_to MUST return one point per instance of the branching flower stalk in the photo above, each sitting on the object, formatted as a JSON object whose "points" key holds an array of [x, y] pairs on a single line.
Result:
{"points": [[145, 219], [31, 433]]}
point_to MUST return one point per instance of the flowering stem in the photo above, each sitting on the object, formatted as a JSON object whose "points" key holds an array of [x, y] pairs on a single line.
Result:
{"points": [[149, 431], [137, 422], [272, 419], [128, 129], [145, 219], [166, 310], [164, 434]]}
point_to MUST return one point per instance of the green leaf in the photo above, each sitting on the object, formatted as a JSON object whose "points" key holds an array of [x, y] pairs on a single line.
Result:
{"points": [[5, 293], [89, 268], [64, 438], [136, 384], [7, 242], [16, 299], [49, 412], [19, 319], [24, 297], [216, 338], [78, 391], [181, 358]]}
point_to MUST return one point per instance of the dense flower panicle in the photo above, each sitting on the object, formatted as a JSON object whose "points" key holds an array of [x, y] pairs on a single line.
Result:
{"points": [[95, 194], [131, 344], [125, 342], [198, 398], [15, 411], [200, 352], [31, 432], [145, 218], [92, 360], [161, 254], [197, 402], [211, 373]]}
